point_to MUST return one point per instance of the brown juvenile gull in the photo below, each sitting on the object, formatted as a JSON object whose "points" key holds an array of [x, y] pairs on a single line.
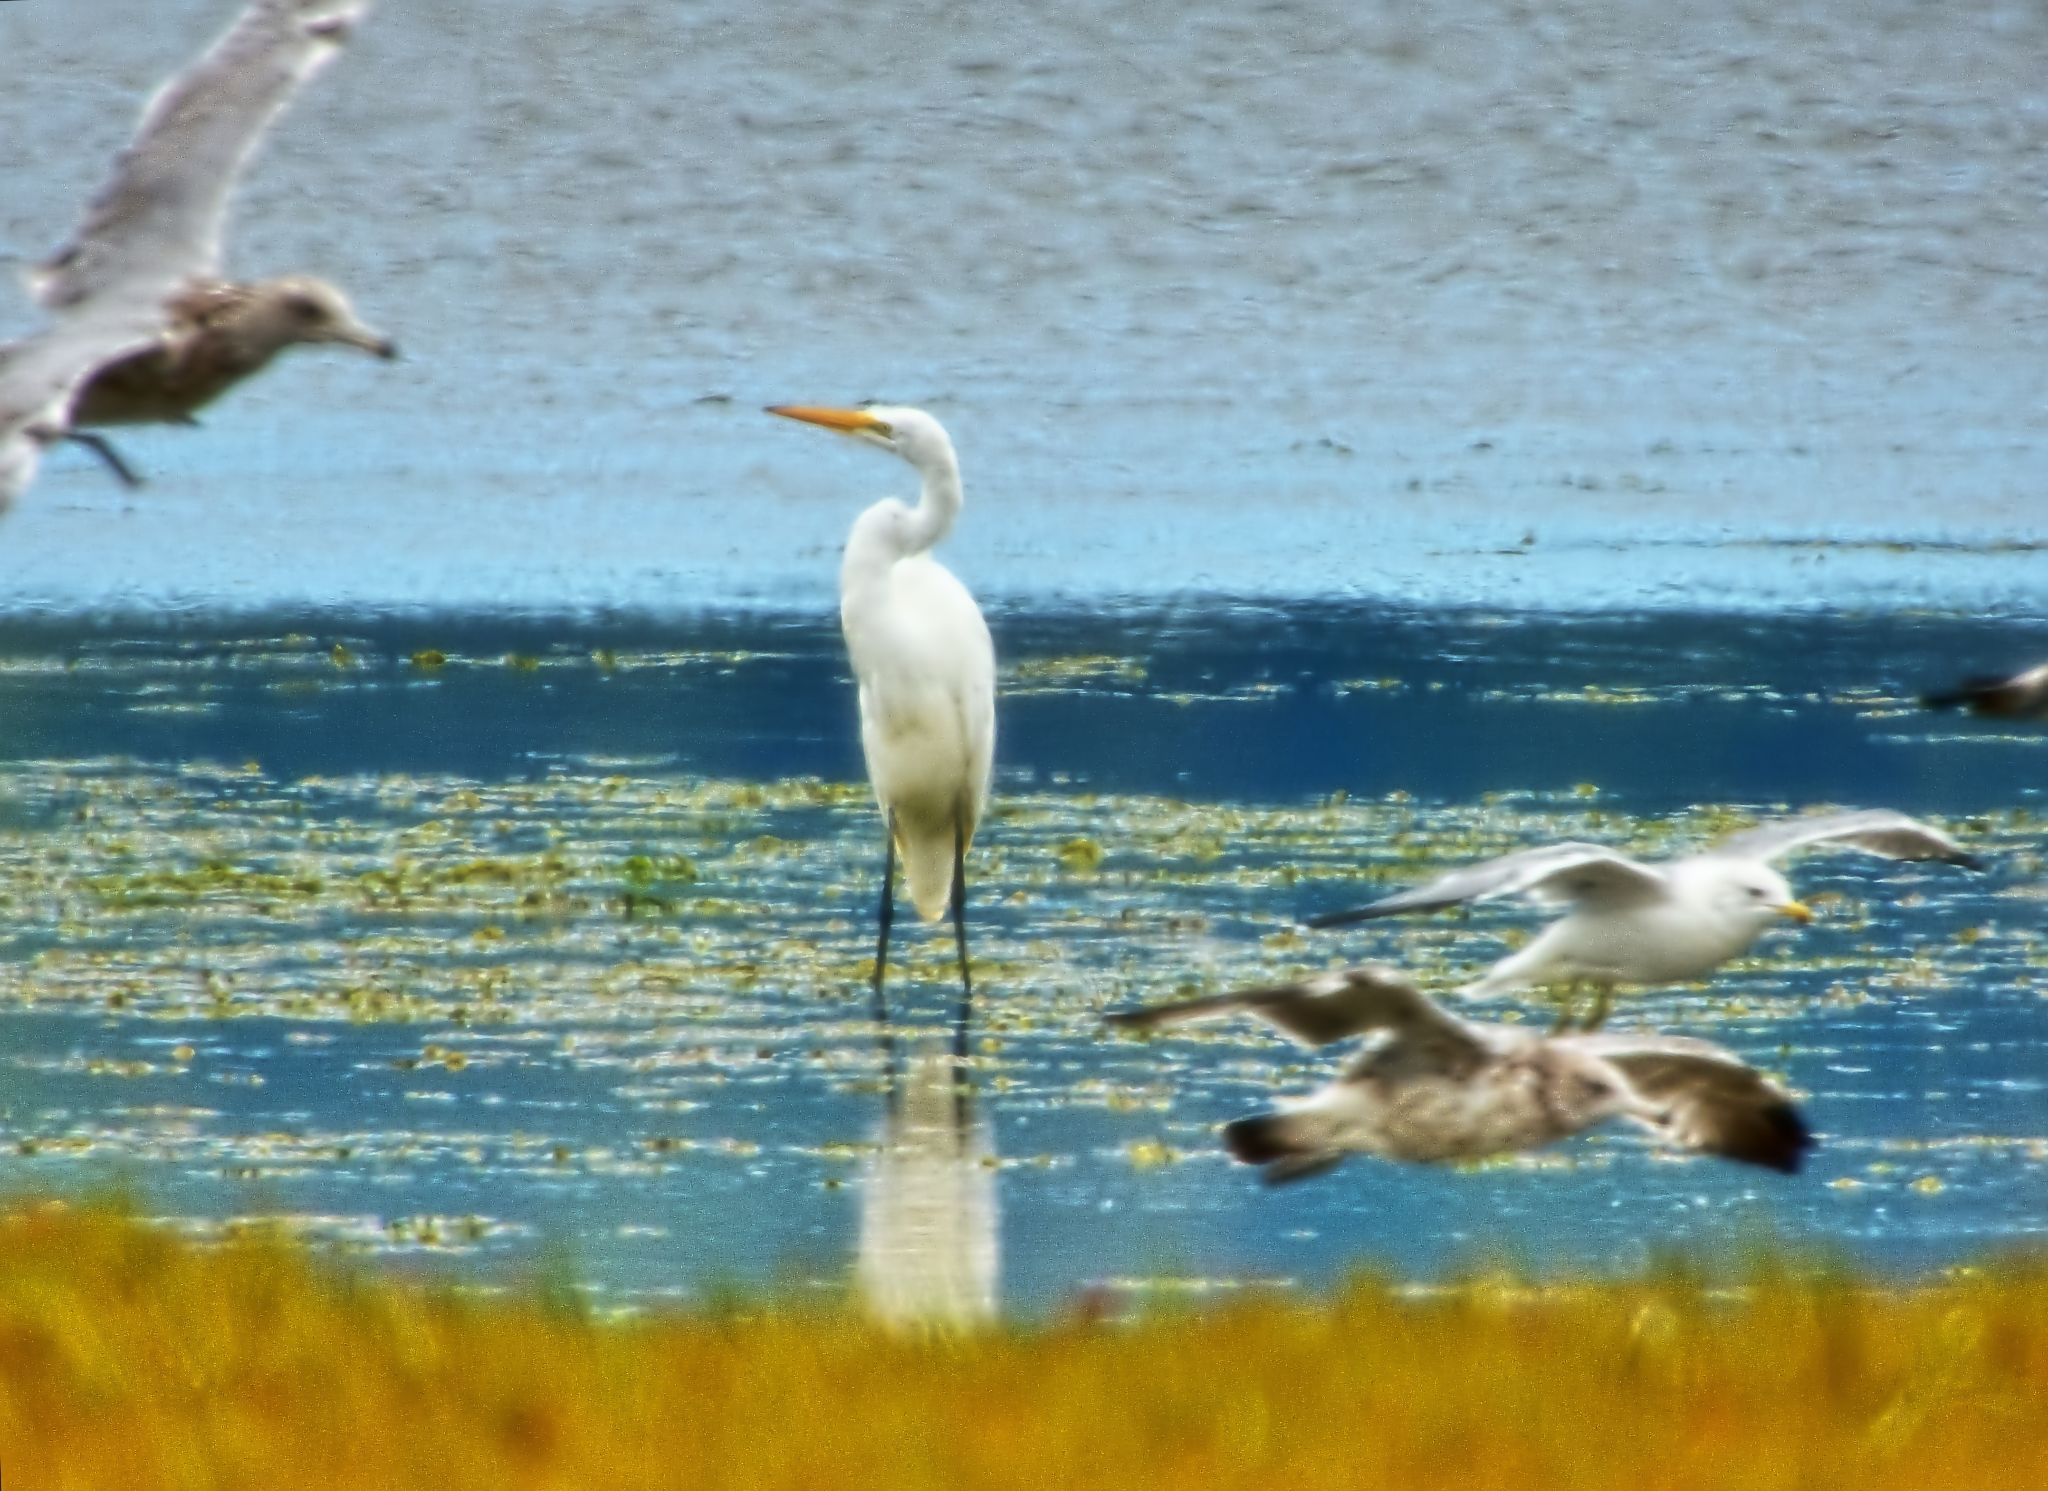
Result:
{"points": [[2017, 696], [1643, 924], [144, 330], [1436, 1088]]}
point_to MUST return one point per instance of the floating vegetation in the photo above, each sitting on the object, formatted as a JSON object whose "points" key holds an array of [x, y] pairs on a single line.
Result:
{"points": [[131, 1359], [594, 991]]}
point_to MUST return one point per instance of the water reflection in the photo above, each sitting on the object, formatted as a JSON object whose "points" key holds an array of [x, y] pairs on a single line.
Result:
{"points": [[928, 1230]]}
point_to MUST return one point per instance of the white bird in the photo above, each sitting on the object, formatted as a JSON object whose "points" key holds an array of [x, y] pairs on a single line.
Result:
{"points": [[2016, 696], [1637, 923], [1436, 1088], [144, 328], [926, 669]]}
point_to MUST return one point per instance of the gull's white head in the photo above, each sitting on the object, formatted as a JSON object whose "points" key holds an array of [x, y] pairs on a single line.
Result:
{"points": [[1746, 891], [909, 433], [299, 308]]}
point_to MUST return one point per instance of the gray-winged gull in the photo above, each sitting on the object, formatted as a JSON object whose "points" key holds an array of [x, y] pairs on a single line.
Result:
{"points": [[1635, 923]]}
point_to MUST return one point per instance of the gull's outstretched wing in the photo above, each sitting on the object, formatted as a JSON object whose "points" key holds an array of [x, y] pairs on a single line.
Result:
{"points": [[1323, 1008], [1579, 874], [40, 377], [1875, 830], [1711, 1099], [158, 222], [2017, 696]]}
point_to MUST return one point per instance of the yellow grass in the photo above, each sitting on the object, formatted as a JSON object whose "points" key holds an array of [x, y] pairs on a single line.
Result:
{"points": [[131, 1360]]}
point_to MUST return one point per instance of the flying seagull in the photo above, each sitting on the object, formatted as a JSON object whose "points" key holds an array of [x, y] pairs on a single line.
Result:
{"points": [[1635, 923], [1436, 1088], [144, 330], [2019, 696]]}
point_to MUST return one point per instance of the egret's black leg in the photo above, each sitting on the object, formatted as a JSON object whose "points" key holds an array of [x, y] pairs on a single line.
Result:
{"points": [[887, 914], [102, 447], [965, 1009]]}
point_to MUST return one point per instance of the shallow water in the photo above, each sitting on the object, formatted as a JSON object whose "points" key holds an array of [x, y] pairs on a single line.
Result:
{"points": [[1388, 440], [558, 944]]}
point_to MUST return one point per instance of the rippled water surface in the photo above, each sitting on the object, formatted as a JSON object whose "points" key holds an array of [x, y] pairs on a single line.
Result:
{"points": [[489, 943], [1556, 306], [430, 811]]}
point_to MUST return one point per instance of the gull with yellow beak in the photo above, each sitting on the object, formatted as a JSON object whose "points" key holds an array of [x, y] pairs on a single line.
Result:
{"points": [[926, 669], [1637, 923]]}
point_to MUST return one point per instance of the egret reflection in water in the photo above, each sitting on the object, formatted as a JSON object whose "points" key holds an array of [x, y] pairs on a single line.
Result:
{"points": [[929, 1241]]}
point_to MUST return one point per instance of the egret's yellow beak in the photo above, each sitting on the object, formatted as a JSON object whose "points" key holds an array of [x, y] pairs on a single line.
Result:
{"points": [[846, 421], [1799, 911]]}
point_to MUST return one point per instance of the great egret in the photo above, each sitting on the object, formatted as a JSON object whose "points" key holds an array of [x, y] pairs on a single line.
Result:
{"points": [[144, 329], [1637, 923], [926, 669], [2016, 696], [1438, 1088]]}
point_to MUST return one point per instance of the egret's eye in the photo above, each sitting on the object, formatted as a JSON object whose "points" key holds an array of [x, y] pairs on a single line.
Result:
{"points": [[1755, 894]]}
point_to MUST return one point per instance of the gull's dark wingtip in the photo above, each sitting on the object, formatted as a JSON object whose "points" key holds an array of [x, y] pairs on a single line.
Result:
{"points": [[1778, 1139], [1257, 1140], [1342, 918]]}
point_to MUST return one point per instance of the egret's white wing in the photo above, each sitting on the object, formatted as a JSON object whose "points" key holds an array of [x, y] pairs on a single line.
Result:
{"points": [[1711, 1099], [158, 222], [1875, 830], [1579, 874], [1325, 1008]]}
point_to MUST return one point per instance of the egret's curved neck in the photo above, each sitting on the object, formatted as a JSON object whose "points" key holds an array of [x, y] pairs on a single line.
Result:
{"points": [[889, 531], [938, 504]]}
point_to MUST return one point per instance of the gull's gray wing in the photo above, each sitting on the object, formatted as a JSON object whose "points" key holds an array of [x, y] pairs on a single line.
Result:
{"points": [[1326, 1007], [1578, 874], [1874, 830], [40, 377], [157, 223], [1711, 1099]]}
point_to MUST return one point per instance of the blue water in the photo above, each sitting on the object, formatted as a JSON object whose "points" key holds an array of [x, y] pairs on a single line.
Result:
{"points": [[1589, 423], [678, 1099]]}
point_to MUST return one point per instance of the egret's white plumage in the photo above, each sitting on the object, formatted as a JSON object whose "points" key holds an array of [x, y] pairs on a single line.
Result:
{"points": [[921, 653], [1632, 922], [1436, 1088], [926, 668]]}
